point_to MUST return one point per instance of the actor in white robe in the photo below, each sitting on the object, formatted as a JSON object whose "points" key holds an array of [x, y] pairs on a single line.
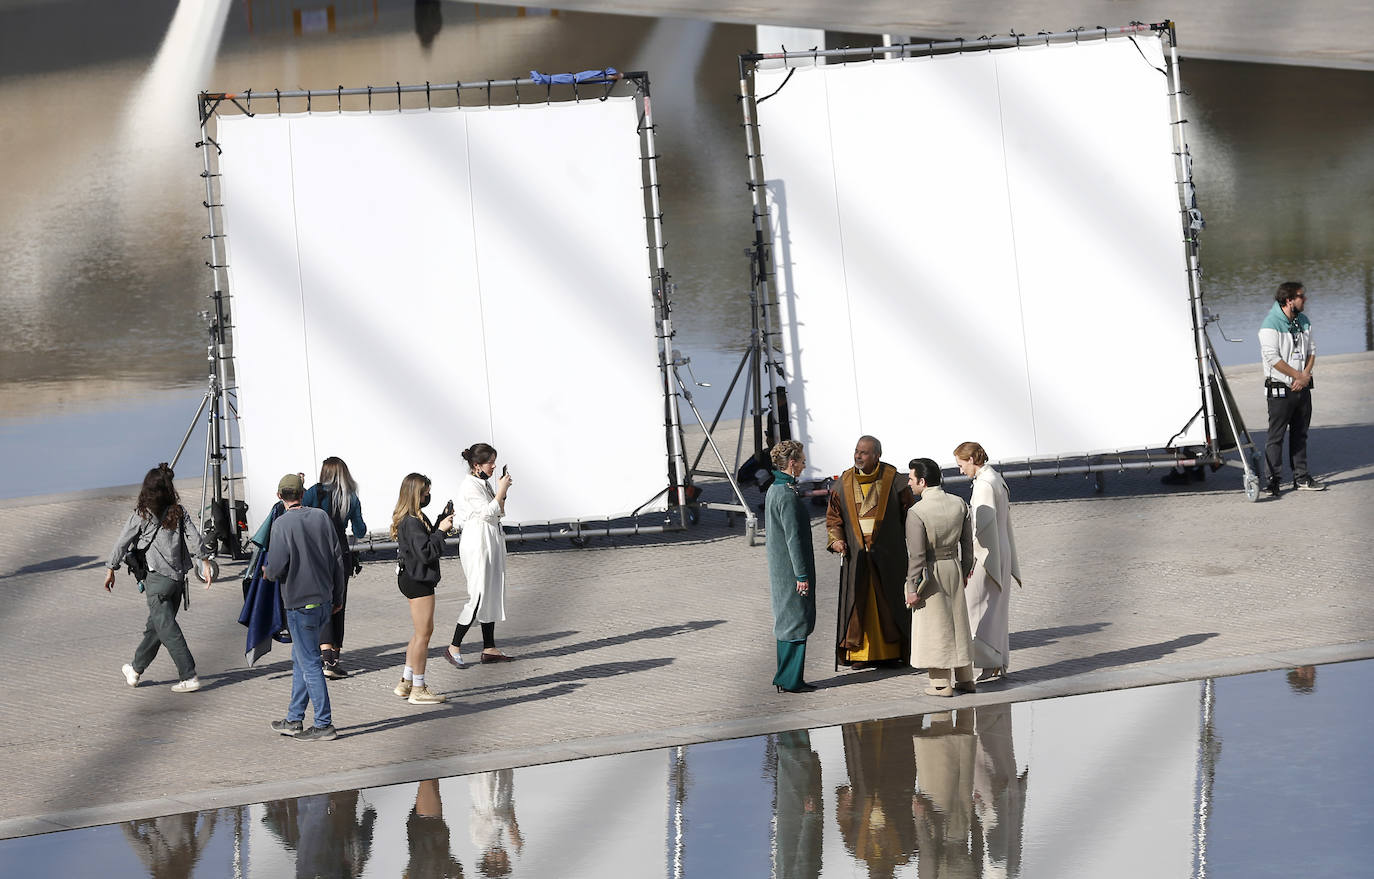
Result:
{"points": [[995, 566], [482, 551]]}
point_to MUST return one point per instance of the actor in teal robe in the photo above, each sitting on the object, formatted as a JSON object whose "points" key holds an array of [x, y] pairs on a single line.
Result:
{"points": [[791, 566]]}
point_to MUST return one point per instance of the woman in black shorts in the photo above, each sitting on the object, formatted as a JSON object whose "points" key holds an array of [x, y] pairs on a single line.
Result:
{"points": [[419, 546]]}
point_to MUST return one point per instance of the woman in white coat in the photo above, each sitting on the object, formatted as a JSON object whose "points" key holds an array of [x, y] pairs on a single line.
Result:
{"points": [[995, 566], [482, 551]]}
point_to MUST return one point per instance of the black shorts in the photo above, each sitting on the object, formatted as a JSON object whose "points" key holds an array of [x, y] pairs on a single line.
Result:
{"points": [[411, 589]]}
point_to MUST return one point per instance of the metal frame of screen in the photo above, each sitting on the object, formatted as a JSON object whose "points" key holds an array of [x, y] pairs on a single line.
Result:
{"points": [[668, 508], [774, 380]]}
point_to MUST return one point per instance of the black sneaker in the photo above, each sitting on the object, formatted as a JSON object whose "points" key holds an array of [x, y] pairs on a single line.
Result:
{"points": [[1273, 488], [335, 671], [287, 727], [319, 734], [1307, 483]]}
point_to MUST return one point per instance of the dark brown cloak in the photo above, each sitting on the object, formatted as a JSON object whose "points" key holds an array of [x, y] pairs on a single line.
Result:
{"points": [[886, 560]]}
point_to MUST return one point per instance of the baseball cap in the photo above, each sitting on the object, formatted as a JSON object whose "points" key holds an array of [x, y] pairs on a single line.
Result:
{"points": [[291, 482]]}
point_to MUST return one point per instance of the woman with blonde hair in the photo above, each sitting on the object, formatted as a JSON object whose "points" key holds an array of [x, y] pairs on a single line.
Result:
{"points": [[337, 494], [419, 546], [995, 565], [791, 566], [482, 550]]}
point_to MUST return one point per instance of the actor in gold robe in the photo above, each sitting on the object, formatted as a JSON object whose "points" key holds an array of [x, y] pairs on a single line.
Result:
{"points": [[864, 524]]}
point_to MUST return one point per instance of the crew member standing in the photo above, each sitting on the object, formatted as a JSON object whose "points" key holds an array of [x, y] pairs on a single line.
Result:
{"points": [[864, 524], [306, 561], [1288, 355]]}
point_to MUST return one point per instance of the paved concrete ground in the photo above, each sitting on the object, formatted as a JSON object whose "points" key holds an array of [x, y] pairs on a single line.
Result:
{"points": [[630, 644]]}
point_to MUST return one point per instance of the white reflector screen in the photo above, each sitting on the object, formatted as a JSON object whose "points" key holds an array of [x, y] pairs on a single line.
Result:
{"points": [[982, 246], [405, 285]]}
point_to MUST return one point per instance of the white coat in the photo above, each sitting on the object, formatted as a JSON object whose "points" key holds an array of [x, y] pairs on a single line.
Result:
{"points": [[482, 551], [995, 567]]}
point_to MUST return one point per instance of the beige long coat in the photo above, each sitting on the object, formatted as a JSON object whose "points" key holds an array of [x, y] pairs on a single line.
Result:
{"points": [[994, 551], [939, 548]]}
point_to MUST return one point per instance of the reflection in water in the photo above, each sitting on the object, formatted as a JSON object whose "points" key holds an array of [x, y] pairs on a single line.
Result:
{"points": [[326, 832], [429, 20], [999, 791], [1303, 679], [493, 821], [797, 807], [942, 805], [941, 790], [874, 809], [427, 834], [170, 846], [1129, 783]]}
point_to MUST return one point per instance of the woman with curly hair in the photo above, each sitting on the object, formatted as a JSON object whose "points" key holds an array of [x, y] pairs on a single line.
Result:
{"points": [[160, 526]]}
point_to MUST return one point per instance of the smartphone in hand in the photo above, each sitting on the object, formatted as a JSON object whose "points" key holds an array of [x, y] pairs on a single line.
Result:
{"points": [[503, 470]]}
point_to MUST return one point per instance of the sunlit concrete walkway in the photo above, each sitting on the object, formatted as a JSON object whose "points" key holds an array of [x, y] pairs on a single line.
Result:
{"points": [[642, 643]]}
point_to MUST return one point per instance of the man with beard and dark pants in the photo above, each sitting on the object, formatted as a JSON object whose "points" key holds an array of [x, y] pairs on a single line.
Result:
{"points": [[1288, 356], [864, 524]]}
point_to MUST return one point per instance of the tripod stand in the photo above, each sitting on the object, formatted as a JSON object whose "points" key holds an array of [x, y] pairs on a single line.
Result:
{"points": [[751, 524], [224, 529]]}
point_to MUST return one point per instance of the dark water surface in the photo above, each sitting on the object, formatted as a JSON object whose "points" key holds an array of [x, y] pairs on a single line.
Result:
{"points": [[102, 265], [1258, 775]]}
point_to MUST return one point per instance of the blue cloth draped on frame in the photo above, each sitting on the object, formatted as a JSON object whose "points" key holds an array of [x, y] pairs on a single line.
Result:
{"points": [[263, 612], [568, 78]]}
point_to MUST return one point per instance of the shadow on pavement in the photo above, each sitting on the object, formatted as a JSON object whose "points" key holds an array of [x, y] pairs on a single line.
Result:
{"points": [[1110, 659], [562, 683], [66, 563], [613, 640], [1042, 637]]}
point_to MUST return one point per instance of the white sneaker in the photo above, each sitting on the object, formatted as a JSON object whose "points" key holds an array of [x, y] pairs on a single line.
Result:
{"points": [[130, 676], [190, 685]]}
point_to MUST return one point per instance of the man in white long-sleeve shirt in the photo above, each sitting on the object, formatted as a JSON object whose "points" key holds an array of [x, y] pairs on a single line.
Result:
{"points": [[1288, 356]]}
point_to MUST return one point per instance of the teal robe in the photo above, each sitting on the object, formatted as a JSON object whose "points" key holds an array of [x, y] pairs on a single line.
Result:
{"points": [[790, 558]]}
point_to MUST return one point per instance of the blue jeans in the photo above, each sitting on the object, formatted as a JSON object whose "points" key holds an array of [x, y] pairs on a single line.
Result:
{"points": [[307, 672]]}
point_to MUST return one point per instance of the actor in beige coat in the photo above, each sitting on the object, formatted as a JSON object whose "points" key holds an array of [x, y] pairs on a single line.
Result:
{"points": [[939, 548]]}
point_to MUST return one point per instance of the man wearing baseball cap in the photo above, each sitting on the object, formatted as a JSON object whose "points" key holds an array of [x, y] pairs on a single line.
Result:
{"points": [[304, 560]]}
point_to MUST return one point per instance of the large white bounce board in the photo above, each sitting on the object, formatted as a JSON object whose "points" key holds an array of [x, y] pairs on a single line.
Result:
{"points": [[404, 285], [983, 246]]}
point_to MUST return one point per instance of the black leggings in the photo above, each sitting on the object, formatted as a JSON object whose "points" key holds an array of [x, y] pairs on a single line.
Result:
{"points": [[332, 632], [488, 634]]}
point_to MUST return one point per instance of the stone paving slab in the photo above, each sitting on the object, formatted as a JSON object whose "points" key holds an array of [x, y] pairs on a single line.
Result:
{"points": [[633, 643]]}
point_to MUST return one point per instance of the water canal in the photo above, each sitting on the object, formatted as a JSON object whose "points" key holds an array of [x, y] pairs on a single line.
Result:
{"points": [[1256, 775]]}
